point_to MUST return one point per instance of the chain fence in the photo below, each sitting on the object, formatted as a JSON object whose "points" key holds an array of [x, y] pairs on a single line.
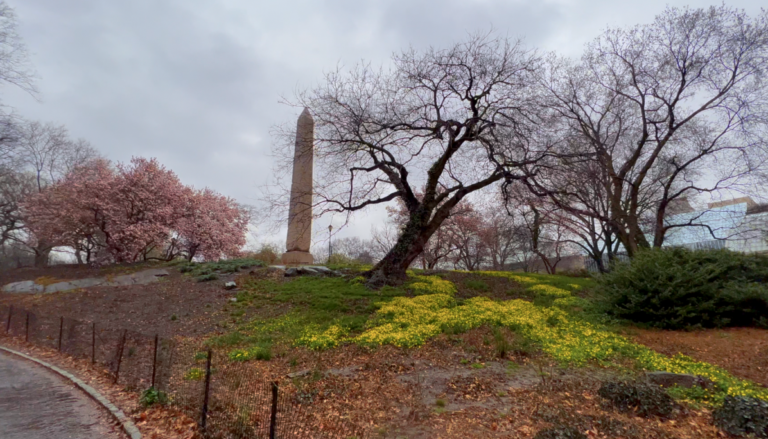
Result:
{"points": [[227, 398]]}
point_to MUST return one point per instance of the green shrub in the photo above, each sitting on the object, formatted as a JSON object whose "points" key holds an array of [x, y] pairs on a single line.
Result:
{"points": [[644, 399], [477, 285], [207, 277], [153, 396], [678, 288], [741, 416], [560, 432]]}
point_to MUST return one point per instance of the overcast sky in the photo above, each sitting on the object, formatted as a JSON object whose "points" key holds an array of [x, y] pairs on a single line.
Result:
{"points": [[197, 84]]}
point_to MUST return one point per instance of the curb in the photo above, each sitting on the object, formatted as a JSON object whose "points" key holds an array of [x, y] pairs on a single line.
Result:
{"points": [[127, 424]]}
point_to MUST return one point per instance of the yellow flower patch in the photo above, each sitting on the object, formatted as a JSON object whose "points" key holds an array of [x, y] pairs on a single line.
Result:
{"points": [[411, 322], [330, 338], [433, 285], [549, 290]]}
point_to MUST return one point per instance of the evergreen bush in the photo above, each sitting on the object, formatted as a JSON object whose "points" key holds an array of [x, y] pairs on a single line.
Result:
{"points": [[741, 416], [677, 288]]}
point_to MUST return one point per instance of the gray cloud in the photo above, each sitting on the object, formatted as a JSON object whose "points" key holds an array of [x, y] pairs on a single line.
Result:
{"points": [[197, 83]]}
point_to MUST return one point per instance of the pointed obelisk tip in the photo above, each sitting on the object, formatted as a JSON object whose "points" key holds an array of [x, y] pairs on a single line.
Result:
{"points": [[306, 114]]}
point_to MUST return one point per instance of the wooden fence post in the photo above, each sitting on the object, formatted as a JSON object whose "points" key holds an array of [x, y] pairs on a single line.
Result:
{"points": [[8, 325], [61, 331], [120, 355], [204, 415], [154, 362], [273, 414]]}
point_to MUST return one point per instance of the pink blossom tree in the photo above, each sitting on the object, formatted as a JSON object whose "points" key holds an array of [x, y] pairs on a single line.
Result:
{"points": [[75, 211], [212, 226], [132, 211]]}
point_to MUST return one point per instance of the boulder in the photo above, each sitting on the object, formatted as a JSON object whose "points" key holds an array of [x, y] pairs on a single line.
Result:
{"points": [[308, 271], [669, 379], [321, 269]]}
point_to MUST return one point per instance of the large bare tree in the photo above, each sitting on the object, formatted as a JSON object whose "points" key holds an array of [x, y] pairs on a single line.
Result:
{"points": [[665, 111], [451, 121]]}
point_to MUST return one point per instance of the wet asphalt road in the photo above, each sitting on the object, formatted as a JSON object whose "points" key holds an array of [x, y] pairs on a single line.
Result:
{"points": [[38, 404]]}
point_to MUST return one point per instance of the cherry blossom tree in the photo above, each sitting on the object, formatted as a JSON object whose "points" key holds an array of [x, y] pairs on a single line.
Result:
{"points": [[212, 226], [133, 211]]}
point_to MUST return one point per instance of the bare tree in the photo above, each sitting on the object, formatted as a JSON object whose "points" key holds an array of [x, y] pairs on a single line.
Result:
{"points": [[450, 121], [501, 236], [42, 155], [14, 187], [470, 250], [355, 249], [666, 111], [14, 61]]}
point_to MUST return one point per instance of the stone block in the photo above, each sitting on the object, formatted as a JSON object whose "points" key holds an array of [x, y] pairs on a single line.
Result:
{"points": [[297, 258]]}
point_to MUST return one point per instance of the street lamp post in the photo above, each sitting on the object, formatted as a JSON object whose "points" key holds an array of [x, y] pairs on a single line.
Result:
{"points": [[330, 229]]}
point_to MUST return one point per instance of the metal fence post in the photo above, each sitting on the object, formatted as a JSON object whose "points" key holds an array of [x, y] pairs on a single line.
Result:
{"points": [[204, 415], [93, 343], [26, 329], [154, 363], [8, 325], [273, 414], [61, 331], [120, 355]]}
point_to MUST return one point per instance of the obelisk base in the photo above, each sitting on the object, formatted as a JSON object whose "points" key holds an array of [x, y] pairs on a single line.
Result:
{"points": [[297, 258]]}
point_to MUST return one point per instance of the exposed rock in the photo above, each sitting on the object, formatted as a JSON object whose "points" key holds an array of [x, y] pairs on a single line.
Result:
{"points": [[231, 285], [742, 415], [310, 270], [324, 270], [346, 372], [233, 299], [138, 278], [300, 373], [25, 286], [669, 379]]}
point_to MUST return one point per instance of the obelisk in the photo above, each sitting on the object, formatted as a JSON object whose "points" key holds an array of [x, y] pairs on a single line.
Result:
{"points": [[300, 209]]}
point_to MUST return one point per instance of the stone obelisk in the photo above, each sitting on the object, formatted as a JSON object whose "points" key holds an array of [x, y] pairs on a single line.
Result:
{"points": [[300, 210]]}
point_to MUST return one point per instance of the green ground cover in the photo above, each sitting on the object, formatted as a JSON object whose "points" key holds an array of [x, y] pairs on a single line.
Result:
{"points": [[322, 313]]}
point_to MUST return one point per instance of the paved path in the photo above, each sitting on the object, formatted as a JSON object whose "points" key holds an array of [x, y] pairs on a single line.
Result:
{"points": [[38, 404]]}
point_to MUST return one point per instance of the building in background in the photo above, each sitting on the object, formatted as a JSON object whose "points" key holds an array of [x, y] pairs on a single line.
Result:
{"points": [[739, 224]]}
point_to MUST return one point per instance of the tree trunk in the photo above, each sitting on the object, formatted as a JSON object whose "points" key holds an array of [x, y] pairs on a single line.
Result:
{"points": [[391, 270], [42, 252]]}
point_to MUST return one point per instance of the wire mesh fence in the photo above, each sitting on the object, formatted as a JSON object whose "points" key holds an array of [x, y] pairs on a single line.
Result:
{"points": [[228, 398]]}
